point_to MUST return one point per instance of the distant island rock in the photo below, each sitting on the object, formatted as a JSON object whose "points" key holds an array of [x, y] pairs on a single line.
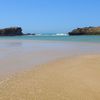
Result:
{"points": [[12, 31], [86, 31], [30, 34]]}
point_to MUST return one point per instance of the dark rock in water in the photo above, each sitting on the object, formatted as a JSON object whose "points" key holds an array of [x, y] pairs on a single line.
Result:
{"points": [[30, 34], [33, 34], [86, 31], [12, 31]]}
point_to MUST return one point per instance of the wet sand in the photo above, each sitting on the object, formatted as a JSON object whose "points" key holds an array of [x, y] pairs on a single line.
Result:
{"points": [[66, 79], [45, 70], [21, 55]]}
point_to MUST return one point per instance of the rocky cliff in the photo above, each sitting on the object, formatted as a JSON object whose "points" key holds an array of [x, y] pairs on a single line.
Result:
{"points": [[86, 31], [12, 31]]}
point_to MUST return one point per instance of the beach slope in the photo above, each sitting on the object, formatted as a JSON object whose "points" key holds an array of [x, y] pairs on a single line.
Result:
{"points": [[75, 78]]}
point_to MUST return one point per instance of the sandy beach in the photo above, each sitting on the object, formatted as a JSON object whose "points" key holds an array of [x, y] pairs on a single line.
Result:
{"points": [[49, 70], [49, 50], [65, 79]]}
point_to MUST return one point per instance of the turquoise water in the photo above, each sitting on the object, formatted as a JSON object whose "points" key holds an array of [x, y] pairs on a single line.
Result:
{"points": [[56, 38]]}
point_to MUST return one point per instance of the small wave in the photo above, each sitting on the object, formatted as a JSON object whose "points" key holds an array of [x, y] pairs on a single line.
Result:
{"points": [[61, 34]]}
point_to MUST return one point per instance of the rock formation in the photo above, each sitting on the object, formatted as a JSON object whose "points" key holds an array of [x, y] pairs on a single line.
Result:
{"points": [[86, 31], [30, 34], [12, 31]]}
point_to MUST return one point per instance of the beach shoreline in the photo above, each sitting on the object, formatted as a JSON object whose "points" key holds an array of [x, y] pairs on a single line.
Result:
{"points": [[64, 79], [20, 55], [49, 70]]}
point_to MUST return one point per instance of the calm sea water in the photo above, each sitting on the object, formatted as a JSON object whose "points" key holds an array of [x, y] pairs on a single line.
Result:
{"points": [[55, 38]]}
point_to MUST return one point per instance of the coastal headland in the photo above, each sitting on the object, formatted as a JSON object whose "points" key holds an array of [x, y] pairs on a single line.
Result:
{"points": [[12, 31], [85, 31], [17, 31]]}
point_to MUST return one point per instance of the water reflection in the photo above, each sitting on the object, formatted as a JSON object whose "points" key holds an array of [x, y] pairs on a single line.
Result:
{"points": [[14, 44]]}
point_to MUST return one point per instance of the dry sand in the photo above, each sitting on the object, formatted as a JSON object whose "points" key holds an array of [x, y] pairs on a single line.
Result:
{"points": [[66, 79]]}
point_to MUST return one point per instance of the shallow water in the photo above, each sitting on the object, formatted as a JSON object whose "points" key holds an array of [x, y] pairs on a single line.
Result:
{"points": [[19, 55], [55, 38]]}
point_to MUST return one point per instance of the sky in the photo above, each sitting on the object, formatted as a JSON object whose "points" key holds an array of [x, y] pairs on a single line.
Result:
{"points": [[49, 16]]}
